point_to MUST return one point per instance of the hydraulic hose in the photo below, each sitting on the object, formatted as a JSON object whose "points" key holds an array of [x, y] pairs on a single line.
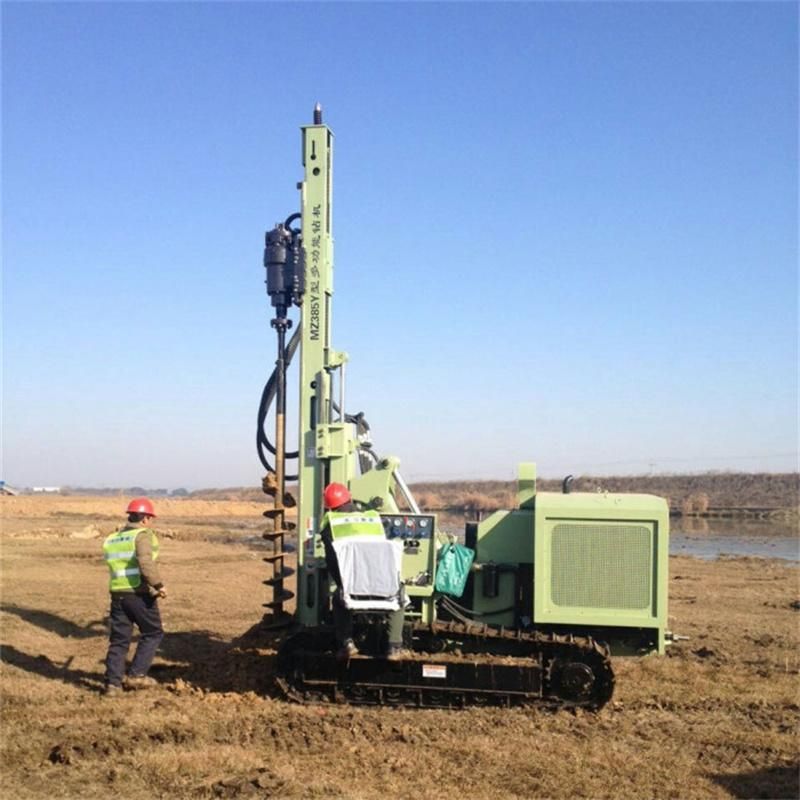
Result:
{"points": [[457, 609], [263, 443], [267, 398], [290, 219]]}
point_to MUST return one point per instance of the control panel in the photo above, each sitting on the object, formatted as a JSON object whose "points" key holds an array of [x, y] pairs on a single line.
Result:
{"points": [[408, 526], [416, 532]]}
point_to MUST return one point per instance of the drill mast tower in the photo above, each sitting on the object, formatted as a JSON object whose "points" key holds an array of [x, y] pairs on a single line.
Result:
{"points": [[555, 585]]}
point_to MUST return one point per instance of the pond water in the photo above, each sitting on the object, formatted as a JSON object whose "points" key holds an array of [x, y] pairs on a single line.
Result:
{"points": [[712, 538], [707, 538]]}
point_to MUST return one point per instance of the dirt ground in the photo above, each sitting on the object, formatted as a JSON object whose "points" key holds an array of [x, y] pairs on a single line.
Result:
{"points": [[717, 717]]}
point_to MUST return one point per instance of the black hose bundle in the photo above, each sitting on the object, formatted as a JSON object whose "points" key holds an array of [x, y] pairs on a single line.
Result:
{"points": [[263, 443], [267, 398], [465, 614]]}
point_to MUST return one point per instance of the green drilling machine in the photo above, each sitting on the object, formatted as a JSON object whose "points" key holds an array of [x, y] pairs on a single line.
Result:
{"points": [[556, 586]]}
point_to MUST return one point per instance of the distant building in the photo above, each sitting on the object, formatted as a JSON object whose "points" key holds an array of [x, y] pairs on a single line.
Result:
{"points": [[46, 489]]}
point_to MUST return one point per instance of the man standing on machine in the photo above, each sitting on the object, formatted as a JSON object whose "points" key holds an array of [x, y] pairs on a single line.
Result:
{"points": [[341, 521], [135, 585]]}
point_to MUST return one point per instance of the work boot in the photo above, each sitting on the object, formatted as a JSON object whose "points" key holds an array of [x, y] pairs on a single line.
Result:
{"points": [[347, 650], [396, 652], [139, 682], [110, 690]]}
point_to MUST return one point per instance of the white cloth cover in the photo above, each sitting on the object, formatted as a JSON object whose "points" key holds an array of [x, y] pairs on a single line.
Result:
{"points": [[370, 570]]}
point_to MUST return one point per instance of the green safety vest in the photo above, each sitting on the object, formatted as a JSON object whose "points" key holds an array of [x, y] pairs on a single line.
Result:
{"points": [[119, 550], [353, 523]]}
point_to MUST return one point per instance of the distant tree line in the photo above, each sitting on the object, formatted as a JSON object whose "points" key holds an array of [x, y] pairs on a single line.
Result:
{"points": [[133, 491], [686, 493], [689, 493]]}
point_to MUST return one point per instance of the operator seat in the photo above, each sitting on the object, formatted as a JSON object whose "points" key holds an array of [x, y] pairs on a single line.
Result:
{"points": [[370, 571]]}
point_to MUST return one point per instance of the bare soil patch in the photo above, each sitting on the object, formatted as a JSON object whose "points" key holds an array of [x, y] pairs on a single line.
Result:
{"points": [[717, 717]]}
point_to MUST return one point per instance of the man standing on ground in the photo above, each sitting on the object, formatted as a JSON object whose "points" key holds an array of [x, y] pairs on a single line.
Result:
{"points": [[135, 585]]}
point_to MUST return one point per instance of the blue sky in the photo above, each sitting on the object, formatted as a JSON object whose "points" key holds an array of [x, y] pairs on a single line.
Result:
{"points": [[564, 233]]}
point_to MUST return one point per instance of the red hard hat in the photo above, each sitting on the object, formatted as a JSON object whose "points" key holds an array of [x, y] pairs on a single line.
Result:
{"points": [[336, 494], [141, 505]]}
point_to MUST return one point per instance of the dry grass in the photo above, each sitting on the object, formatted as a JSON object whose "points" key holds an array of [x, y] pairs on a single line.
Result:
{"points": [[686, 493], [716, 718], [695, 503]]}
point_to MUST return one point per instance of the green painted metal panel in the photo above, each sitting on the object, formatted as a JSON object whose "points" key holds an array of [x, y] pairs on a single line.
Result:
{"points": [[314, 391], [377, 483], [328, 445], [505, 537], [601, 559], [526, 485]]}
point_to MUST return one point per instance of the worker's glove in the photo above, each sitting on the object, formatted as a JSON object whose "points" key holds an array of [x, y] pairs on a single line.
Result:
{"points": [[162, 592]]}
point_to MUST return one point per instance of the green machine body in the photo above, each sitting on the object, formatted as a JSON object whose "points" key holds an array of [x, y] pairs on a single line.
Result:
{"points": [[584, 563], [557, 585]]}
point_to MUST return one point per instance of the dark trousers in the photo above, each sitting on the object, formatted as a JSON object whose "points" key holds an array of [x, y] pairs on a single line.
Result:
{"points": [[127, 610], [343, 622]]}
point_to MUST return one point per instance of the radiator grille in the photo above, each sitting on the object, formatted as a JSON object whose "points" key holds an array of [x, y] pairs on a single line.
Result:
{"points": [[601, 566]]}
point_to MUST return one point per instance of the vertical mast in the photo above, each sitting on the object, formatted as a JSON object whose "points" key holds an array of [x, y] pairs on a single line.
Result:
{"points": [[315, 398]]}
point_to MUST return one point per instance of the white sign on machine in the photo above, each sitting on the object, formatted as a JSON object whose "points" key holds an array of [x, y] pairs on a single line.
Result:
{"points": [[434, 671]]}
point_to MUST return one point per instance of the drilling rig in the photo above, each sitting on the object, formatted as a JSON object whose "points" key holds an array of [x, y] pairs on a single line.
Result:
{"points": [[557, 585]]}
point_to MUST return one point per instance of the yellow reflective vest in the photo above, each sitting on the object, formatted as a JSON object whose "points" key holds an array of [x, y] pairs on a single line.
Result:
{"points": [[353, 523], [119, 550]]}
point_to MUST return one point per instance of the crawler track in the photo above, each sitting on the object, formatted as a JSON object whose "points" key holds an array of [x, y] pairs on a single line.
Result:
{"points": [[452, 665]]}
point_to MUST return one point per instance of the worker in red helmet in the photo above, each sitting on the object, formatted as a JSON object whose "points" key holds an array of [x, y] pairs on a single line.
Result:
{"points": [[340, 521], [135, 583], [335, 496]]}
